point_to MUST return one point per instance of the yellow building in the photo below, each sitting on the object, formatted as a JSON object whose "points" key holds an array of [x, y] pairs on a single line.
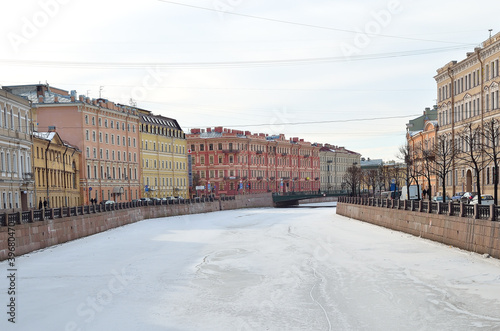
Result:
{"points": [[56, 171], [164, 168]]}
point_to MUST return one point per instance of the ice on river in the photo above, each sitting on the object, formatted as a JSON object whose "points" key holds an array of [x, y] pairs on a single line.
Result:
{"points": [[300, 268]]}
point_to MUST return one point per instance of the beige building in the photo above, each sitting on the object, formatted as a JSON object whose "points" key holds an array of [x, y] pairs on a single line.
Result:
{"points": [[16, 176], [334, 162], [467, 92]]}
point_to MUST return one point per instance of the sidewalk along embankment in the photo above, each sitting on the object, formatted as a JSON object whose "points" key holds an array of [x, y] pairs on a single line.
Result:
{"points": [[28, 237], [475, 235]]}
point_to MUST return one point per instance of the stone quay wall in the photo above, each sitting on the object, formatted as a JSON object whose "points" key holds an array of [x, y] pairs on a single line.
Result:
{"points": [[35, 235], [465, 231]]}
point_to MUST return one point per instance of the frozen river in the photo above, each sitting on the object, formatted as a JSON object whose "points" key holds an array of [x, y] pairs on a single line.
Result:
{"points": [[254, 269]]}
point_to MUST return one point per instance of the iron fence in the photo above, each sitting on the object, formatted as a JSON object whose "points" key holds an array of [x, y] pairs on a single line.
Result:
{"points": [[484, 212]]}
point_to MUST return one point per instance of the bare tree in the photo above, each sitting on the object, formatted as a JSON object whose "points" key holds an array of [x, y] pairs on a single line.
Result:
{"points": [[426, 167], [408, 156], [472, 152], [352, 178], [491, 148], [444, 153], [371, 178]]}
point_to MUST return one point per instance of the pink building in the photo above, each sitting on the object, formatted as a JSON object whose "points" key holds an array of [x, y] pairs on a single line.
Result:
{"points": [[230, 162], [106, 133]]}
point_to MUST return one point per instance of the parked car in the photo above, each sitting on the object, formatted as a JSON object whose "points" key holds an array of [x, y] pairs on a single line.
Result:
{"points": [[145, 199], [467, 197], [109, 202], [457, 196], [486, 199], [440, 199]]}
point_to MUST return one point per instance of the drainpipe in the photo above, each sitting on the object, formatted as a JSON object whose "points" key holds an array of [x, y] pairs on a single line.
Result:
{"points": [[47, 172], [452, 91]]}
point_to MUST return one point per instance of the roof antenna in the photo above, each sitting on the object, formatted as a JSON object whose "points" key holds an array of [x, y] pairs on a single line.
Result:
{"points": [[100, 91]]}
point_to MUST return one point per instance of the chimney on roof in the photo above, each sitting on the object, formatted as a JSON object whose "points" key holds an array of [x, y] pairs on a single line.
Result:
{"points": [[209, 129], [40, 99], [218, 129]]}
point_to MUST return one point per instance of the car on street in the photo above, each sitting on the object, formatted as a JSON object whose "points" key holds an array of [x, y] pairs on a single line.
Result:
{"points": [[109, 202], [486, 199], [440, 199], [457, 196], [467, 197]]}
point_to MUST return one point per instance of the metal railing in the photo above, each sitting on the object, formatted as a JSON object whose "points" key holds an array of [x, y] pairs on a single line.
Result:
{"points": [[47, 214], [459, 209]]}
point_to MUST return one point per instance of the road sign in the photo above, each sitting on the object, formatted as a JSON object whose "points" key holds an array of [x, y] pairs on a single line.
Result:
{"points": [[90, 188]]}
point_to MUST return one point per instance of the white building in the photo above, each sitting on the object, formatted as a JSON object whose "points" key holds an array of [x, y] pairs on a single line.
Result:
{"points": [[16, 177]]}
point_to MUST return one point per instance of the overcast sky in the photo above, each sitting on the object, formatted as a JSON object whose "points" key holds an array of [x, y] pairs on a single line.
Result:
{"points": [[359, 70]]}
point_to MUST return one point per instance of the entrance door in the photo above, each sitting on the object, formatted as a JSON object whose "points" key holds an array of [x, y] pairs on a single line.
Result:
{"points": [[468, 181]]}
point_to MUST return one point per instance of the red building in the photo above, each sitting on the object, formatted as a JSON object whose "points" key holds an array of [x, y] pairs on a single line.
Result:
{"points": [[231, 162]]}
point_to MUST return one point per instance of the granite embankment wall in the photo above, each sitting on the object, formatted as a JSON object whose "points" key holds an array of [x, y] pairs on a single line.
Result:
{"points": [[468, 233], [29, 237]]}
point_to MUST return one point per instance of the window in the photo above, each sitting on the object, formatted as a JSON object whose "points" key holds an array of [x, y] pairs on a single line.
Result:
{"points": [[220, 146], [86, 119], [106, 123], [210, 147], [93, 120], [202, 147], [87, 135], [202, 160], [93, 136]]}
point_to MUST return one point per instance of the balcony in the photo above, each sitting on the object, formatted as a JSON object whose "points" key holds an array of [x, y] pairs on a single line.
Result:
{"points": [[272, 178], [285, 178], [28, 176], [306, 156], [284, 154], [260, 178], [259, 152]]}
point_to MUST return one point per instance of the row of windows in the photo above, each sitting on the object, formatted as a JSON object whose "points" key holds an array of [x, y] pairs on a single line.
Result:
{"points": [[165, 182], [10, 200], [53, 155], [118, 155], [178, 148], [56, 178], [164, 164], [112, 123], [265, 175], [468, 81], [107, 140], [7, 120], [162, 131], [9, 162], [111, 173], [253, 148], [470, 108]]}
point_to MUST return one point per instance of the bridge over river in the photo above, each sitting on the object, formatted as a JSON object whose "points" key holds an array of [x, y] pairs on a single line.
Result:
{"points": [[292, 198]]}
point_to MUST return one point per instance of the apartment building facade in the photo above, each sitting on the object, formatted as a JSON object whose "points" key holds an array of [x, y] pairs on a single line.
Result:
{"points": [[56, 169], [468, 92], [16, 176], [106, 133], [334, 162], [231, 162], [163, 157]]}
